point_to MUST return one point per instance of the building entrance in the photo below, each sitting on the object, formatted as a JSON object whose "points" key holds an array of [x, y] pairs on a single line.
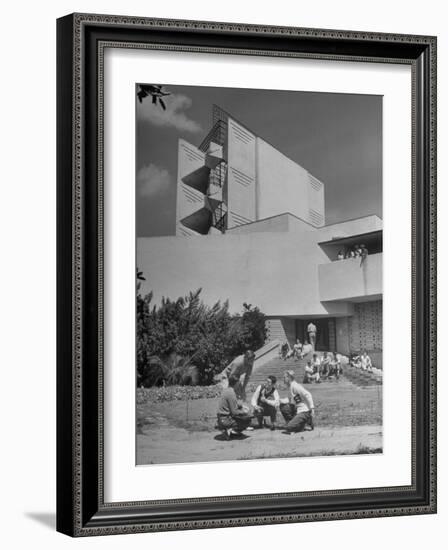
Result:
{"points": [[325, 334]]}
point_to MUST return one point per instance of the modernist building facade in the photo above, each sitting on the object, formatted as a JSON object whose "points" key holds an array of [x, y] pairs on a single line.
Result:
{"points": [[233, 178], [254, 222]]}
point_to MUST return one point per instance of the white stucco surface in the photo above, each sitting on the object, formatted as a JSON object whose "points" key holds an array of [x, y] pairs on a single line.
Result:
{"points": [[277, 272], [284, 186], [350, 228], [241, 175], [348, 279]]}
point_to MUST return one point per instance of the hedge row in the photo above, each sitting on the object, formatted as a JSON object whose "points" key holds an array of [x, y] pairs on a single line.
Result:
{"points": [[177, 393]]}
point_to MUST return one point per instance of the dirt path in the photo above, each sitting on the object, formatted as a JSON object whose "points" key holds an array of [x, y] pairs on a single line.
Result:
{"points": [[161, 443]]}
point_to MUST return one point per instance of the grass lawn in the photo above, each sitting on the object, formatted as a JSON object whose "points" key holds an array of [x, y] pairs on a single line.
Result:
{"points": [[184, 431], [337, 404]]}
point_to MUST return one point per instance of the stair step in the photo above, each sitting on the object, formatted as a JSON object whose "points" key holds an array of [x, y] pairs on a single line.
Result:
{"points": [[278, 366]]}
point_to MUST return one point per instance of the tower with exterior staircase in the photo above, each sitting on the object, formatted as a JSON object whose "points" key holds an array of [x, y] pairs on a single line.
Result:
{"points": [[254, 222], [232, 179]]}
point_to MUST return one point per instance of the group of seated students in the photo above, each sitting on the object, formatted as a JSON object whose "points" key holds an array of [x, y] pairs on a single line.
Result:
{"points": [[235, 416], [361, 361], [357, 251], [298, 350], [325, 368]]}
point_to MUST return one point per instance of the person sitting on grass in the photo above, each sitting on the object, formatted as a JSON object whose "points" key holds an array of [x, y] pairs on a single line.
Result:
{"points": [[298, 410], [233, 418], [265, 401]]}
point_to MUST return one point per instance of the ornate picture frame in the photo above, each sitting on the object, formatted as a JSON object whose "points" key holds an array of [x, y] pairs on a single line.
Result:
{"points": [[81, 506]]}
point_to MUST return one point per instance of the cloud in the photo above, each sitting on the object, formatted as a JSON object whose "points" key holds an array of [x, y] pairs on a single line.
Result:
{"points": [[152, 180], [174, 116]]}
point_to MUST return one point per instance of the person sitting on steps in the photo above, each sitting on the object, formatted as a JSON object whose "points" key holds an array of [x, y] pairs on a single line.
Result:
{"points": [[284, 350], [306, 349], [298, 349], [312, 374], [366, 362], [335, 366], [325, 366]]}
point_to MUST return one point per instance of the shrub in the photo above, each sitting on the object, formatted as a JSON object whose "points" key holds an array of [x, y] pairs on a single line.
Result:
{"points": [[185, 341], [176, 393]]}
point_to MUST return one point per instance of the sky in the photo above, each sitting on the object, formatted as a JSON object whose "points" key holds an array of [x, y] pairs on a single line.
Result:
{"points": [[336, 137]]}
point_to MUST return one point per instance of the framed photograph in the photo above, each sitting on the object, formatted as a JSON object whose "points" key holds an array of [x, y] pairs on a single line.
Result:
{"points": [[246, 274]]}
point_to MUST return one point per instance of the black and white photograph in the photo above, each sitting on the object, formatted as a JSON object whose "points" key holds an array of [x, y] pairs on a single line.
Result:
{"points": [[259, 253], [220, 298]]}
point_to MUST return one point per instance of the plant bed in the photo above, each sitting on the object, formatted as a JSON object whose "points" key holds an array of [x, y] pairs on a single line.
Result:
{"points": [[177, 393]]}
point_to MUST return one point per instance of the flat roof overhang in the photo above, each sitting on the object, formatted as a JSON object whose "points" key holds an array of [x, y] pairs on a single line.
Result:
{"points": [[360, 238]]}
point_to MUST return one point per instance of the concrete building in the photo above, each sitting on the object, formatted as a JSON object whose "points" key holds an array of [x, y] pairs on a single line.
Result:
{"points": [[256, 231], [232, 179]]}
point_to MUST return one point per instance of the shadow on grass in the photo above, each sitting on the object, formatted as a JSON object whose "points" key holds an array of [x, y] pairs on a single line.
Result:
{"points": [[238, 437], [360, 450]]}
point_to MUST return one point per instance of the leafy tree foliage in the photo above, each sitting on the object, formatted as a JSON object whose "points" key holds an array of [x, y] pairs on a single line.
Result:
{"points": [[185, 341]]}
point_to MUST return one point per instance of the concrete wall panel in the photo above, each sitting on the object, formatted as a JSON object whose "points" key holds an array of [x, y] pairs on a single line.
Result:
{"points": [[189, 200], [348, 279], [241, 175], [274, 271], [284, 186]]}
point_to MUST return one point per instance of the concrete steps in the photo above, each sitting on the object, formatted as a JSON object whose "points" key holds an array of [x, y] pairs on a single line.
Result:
{"points": [[278, 366], [363, 378]]}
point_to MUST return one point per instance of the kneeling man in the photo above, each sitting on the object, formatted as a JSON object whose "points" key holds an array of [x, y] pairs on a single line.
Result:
{"points": [[298, 410], [265, 401], [232, 417]]}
